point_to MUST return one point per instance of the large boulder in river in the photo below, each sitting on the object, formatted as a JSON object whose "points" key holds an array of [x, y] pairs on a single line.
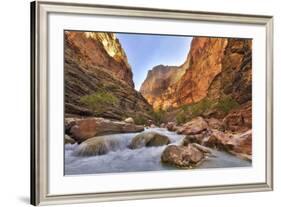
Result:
{"points": [[182, 156], [96, 146], [239, 144], [195, 126], [83, 129], [149, 139]]}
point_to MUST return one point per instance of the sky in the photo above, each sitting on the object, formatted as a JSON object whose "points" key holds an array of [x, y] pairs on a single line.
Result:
{"points": [[146, 51]]}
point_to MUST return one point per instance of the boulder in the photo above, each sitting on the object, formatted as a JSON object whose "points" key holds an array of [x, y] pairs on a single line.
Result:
{"points": [[182, 156], [239, 144], [239, 119], [152, 126], [129, 120], [195, 126], [149, 139], [129, 128], [68, 140], [215, 124], [68, 123], [242, 143], [96, 146], [162, 125], [171, 126], [202, 148], [196, 138], [218, 140], [83, 129]]}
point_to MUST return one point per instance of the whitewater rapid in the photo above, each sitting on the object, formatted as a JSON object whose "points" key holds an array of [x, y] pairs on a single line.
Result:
{"points": [[123, 159]]}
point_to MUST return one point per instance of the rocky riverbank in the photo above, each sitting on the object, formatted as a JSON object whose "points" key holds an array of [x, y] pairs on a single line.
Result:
{"points": [[81, 129], [112, 153], [199, 137]]}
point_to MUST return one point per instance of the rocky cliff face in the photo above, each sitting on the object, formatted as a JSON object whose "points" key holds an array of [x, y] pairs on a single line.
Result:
{"points": [[97, 71], [215, 67], [103, 50], [158, 81]]}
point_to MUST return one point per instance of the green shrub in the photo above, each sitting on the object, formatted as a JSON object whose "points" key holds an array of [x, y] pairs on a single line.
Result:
{"points": [[99, 101], [198, 108], [158, 116], [140, 120], [181, 118], [226, 103], [110, 86]]}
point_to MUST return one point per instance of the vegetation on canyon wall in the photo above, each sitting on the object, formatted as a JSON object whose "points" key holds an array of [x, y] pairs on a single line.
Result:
{"points": [[222, 106], [98, 78], [99, 101]]}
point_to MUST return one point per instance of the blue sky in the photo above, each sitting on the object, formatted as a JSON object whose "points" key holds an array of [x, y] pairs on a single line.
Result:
{"points": [[146, 51]]}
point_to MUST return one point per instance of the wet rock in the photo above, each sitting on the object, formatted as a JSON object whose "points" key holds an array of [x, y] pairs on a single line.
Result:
{"points": [[83, 129], [149, 139], [218, 140], [239, 144], [96, 146], [68, 140], [195, 126], [196, 138], [171, 126], [162, 125], [202, 148], [68, 123], [182, 156], [242, 144]]}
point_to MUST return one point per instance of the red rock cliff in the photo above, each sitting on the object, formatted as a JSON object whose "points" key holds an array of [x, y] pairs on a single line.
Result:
{"points": [[157, 82], [214, 67], [95, 63], [101, 49]]}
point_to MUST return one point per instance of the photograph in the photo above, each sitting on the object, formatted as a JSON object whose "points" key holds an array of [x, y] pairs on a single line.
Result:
{"points": [[156, 102]]}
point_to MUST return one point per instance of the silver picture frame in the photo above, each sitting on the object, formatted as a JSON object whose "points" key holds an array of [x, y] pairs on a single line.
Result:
{"points": [[39, 100]]}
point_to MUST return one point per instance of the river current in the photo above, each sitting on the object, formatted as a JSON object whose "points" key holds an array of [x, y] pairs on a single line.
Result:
{"points": [[123, 159]]}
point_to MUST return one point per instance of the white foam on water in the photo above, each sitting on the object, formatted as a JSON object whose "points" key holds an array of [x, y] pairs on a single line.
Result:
{"points": [[122, 159]]}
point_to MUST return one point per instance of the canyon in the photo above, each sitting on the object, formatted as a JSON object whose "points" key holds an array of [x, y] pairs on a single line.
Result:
{"points": [[187, 113]]}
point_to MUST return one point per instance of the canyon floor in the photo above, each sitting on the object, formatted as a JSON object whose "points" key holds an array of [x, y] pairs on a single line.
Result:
{"points": [[100, 145]]}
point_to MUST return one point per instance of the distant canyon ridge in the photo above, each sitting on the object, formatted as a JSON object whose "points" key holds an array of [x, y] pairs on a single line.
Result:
{"points": [[215, 79], [214, 68]]}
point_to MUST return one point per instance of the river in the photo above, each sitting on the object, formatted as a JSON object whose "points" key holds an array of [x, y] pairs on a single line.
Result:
{"points": [[123, 159]]}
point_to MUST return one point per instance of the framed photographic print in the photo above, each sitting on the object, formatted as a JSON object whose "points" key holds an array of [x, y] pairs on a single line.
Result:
{"points": [[133, 103]]}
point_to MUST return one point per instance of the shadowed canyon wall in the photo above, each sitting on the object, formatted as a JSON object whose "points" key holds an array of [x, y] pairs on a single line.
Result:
{"points": [[97, 72]]}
